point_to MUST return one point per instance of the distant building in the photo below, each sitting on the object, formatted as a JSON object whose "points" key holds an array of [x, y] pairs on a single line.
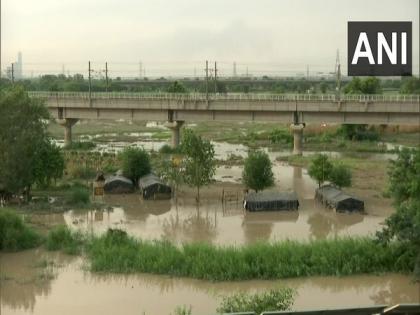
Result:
{"points": [[17, 70]]}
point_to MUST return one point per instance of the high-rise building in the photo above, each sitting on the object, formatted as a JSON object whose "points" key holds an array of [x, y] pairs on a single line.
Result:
{"points": [[19, 67]]}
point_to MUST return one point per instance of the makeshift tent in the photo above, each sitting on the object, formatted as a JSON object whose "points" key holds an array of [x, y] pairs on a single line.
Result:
{"points": [[334, 198], [152, 187], [271, 201], [118, 185]]}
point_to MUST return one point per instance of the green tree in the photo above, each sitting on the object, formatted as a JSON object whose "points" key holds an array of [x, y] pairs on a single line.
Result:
{"points": [[135, 163], [410, 86], [199, 163], [369, 85], [404, 225], [404, 176], [257, 173], [22, 133], [320, 168], [171, 170], [340, 175], [48, 164], [177, 87]]}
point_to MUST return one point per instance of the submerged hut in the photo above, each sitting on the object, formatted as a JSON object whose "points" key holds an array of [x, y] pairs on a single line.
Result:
{"points": [[334, 198], [118, 185], [271, 201], [152, 187]]}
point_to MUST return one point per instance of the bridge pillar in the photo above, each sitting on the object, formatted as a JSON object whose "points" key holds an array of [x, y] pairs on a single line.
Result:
{"points": [[175, 127], [297, 130], [67, 123]]}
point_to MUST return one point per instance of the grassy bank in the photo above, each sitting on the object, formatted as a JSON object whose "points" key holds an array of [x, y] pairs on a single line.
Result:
{"points": [[117, 252]]}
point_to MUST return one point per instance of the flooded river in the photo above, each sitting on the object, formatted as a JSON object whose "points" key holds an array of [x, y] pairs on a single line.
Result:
{"points": [[66, 288], [38, 282]]}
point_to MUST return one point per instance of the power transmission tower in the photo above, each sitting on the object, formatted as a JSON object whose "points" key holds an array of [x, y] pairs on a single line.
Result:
{"points": [[106, 75], [140, 69], [234, 70], [90, 85], [207, 79], [215, 77]]}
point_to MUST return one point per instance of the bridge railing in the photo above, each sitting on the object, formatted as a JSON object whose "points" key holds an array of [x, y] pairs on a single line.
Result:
{"points": [[228, 97]]}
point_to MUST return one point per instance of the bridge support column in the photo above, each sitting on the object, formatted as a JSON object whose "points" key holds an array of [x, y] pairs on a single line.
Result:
{"points": [[297, 130], [67, 123], [175, 127]]}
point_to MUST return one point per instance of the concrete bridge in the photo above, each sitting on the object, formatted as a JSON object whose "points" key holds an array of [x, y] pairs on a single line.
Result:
{"points": [[294, 109]]}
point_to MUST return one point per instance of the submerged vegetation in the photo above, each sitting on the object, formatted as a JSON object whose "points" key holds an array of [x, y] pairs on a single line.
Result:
{"points": [[117, 252], [15, 234], [62, 238], [279, 299], [120, 253]]}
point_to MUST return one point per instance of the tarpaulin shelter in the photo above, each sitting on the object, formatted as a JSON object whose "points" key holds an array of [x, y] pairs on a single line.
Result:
{"points": [[118, 185], [271, 201], [152, 187], [334, 198]]}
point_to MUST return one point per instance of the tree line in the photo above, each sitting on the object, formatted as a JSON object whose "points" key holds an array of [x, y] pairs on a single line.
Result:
{"points": [[78, 82]]}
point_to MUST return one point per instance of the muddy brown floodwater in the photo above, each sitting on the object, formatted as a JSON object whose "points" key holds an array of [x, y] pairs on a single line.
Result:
{"points": [[65, 287], [39, 282], [226, 223]]}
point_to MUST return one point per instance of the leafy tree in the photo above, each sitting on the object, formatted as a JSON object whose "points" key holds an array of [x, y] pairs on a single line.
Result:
{"points": [[22, 133], [410, 86], [257, 173], [48, 164], [177, 87], [320, 168], [135, 163], [172, 171], [199, 163], [404, 225], [404, 176], [358, 132], [340, 175], [369, 85]]}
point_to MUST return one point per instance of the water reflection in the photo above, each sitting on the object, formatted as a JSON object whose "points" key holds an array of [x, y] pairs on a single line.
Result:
{"points": [[214, 221], [76, 291], [27, 276]]}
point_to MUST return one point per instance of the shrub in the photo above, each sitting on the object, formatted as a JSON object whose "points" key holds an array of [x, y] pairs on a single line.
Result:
{"points": [[340, 175], [62, 238], [82, 172], [278, 136], [280, 299], [167, 149], [79, 196], [15, 234], [135, 163], [81, 145]]}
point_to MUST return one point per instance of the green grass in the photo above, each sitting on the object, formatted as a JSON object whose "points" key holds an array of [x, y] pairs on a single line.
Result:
{"points": [[62, 238], [15, 234], [116, 252], [279, 299]]}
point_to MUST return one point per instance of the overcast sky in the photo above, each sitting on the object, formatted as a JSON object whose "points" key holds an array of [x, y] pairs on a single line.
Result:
{"points": [[178, 35]]}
